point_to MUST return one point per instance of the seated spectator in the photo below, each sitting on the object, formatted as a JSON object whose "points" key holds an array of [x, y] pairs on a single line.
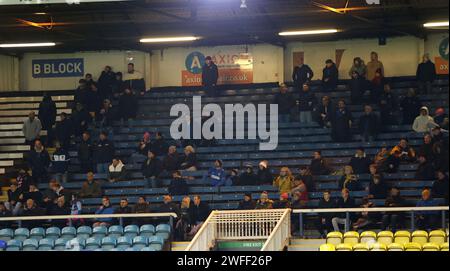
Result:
{"points": [[248, 177], [151, 169], [59, 208], [306, 103], [319, 165], [90, 188], [440, 187], [377, 187], [365, 218], [426, 74], [369, 125], [424, 122], [199, 212], [403, 151], [85, 153], [105, 209], [124, 207], [380, 158], [64, 130], [159, 145], [145, 145], [76, 208], [427, 147], [299, 200], [323, 112], [264, 202], [306, 177], [410, 105], [32, 209], [425, 170], [117, 171], [189, 161], [264, 174], [4, 212], [34, 194], [103, 153], [183, 224], [134, 80], [60, 191], [178, 185], [427, 220], [360, 162], [377, 85], [168, 205], [216, 175], [441, 118], [141, 207], [323, 222], [330, 76], [247, 203], [358, 66], [60, 160], [341, 123], [39, 161], [128, 106], [80, 119], [392, 220], [106, 115], [233, 178], [285, 102], [357, 87], [284, 181], [31, 129], [23, 179], [349, 180], [388, 106], [345, 202], [300, 190], [171, 161], [283, 202], [14, 203]]}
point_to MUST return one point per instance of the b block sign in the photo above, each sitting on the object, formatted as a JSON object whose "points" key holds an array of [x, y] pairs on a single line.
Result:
{"points": [[67, 67]]}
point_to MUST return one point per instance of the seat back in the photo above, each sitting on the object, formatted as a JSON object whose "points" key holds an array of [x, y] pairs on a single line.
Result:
{"points": [[6, 234], [124, 242], [344, 247], [385, 237], [131, 231], [334, 238], [84, 232], [37, 233], [147, 230], [378, 247], [93, 243], [60, 244], [21, 234], [68, 233], [437, 237], [413, 247], [351, 237], [395, 247], [54, 233], [444, 247], [361, 247], [46, 244], [368, 237], [30, 245], [109, 243], [14, 245], [420, 237], [115, 231], [327, 247]]}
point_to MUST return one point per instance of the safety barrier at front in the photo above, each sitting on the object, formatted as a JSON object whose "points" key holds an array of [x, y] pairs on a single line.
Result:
{"points": [[240, 225]]}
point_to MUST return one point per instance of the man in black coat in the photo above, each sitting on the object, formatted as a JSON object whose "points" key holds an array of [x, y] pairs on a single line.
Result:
{"points": [[106, 82], [31, 209], [426, 74], [323, 111], [344, 202], [323, 222], [410, 105], [64, 130], [39, 161], [388, 106], [85, 153], [159, 145], [425, 170], [440, 187], [128, 105], [210, 74], [341, 123], [168, 206], [301, 75], [47, 115], [103, 153], [360, 162], [330, 76], [151, 169], [124, 208], [171, 161], [358, 86], [247, 203], [306, 103], [285, 102], [199, 212], [369, 124]]}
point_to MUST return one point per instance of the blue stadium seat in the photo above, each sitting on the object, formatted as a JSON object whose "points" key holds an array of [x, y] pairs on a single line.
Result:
{"points": [[84, 232], [92, 243], [163, 230], [156, 242], [131, 231], [60, 244], [6, 234], [80, 241], [148, 249], [68, 233], [147, 230], [21, 234], [37, 233], [140, 242], [53, 233], [108, 243], [3, 245], [117, 249], [30, 245], [124, 242], [14, 245], [115, 231], [133, 249], [46, 244], [99, 232]]}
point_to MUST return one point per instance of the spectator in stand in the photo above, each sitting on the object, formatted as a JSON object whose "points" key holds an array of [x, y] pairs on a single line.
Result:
{"points": [[392, 220], [64, 130], [39, 161], [31, 129], [93, 100], [306, 177], [360, 162], [118, 86], [377, 86], [216, 175], [341, 123], [377, 188], [323, 222], [199, 212], [178, 185], [357, 87], [405, 152], [32, 209], [427, 220], [80, 119], [359, 67], [168, 206], [247, 203], [105, 83], [47, 115], [23, 179], [365, 218], [80, 93], [319, 165], [189, 161], [59, 208], [306, 103], [117, 171], [128, 106], [425, 75], [441, 155], [134, 80], [183, 224], [349, 180], [369, 124], [330, 76], [283, 202], [373, 66], [210, 74], [425, 170], [233, 178], [300, 193], [323, 112], [90, 81], [285, 102], [301, 75], [440, 187], [410, 105], [388, 106], [159, 145], [424, 122], [380, 158], [345, 202], [248, 177], [85, 153], [4, 212], [143, 148], [14, 204], [90, 188], [152, 169], [124, 208], [105, 209], [103, 153], [284, 181], [264, 174], [299, 200], [441, 118], [106, 115], [264, 202], [171, 161], [60, 160], [427, 147], [141, 207], [76, 208]]}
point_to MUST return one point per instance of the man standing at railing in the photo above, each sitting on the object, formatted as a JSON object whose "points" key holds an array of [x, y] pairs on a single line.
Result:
{"points": [[323, 222], [199, 212]]}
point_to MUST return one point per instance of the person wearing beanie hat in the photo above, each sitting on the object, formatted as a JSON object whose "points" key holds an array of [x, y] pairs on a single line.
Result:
{"points": [[232, 178], [216, 175], [264, 202], [248, 177], [264, 175], [247, 203], [424, 122], [330, 76], [283, 202], [210, 74]]}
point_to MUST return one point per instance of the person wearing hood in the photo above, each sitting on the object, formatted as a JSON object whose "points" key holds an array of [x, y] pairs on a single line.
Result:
{"points": [[233, 177], [103, 153], [31, 129], [373, 66], [425, 170], [330, 76], [248, 177], [369, 124], [425, 75], [360, 162], [105, 83], [440, 188], [409, 106], [319, 165], [357, 86], [306, 103], [264, 174], [247, 203], [264, 202], [91, 188], [117, 171], [216, 175], [47, 112], [388, 106], [341, 123], [152, 169], [424, 122], [39, 161], [393, 219], [323, 111], [64, 130], [301, 75], [283, 202], [359, 67], [85, 152], [60, 160], [128, 106], [284, 181]]}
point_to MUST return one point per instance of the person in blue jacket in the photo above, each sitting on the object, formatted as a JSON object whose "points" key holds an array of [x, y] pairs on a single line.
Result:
{"points": [[105, 209], [216, 175], [427, 219]]}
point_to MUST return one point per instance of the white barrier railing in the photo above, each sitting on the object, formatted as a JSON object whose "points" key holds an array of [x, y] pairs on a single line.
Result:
{"points": [[236, 225], [279, 239]]}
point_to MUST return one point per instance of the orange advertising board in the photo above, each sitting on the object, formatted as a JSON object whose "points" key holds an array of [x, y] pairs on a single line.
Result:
{"points": [[441, 65]]}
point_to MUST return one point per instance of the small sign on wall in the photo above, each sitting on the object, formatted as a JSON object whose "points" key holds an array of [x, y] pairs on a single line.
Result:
{"points": [[66, 67]]}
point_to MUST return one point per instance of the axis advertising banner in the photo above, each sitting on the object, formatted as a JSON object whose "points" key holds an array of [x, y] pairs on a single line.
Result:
{"points": [[442, 61]]}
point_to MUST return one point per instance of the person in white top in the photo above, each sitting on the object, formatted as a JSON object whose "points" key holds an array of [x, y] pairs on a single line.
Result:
{"points": [[424, 122]]}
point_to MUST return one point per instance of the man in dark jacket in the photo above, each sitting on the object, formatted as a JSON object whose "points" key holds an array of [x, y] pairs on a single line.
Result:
{"points": [[128, 105], [210, 74], [47, 116], [124, 208], [103, 153], [306, 102], [425, 170], [93, 101], [341, 123], [323, 222], [330, 76], [323, 112], [344, 202], [91, 188], [64, 130], [301, 75], [388, 106], [106, 82], [357, 86], [80, 93], [171, 161], [59, 208], [426, 74], [31, 209], [285, 102], [440, 187], [178, 185], [4, 212], [369, 124], [168, 206], [39, 161], [264, 174], [393, 219], [159, 145], [60, 163], [247, 203], [319, 165], [360, 162], [151, 169], [199, 212], [85, 153], [248, 177], [410, 105], [80, 119]]}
